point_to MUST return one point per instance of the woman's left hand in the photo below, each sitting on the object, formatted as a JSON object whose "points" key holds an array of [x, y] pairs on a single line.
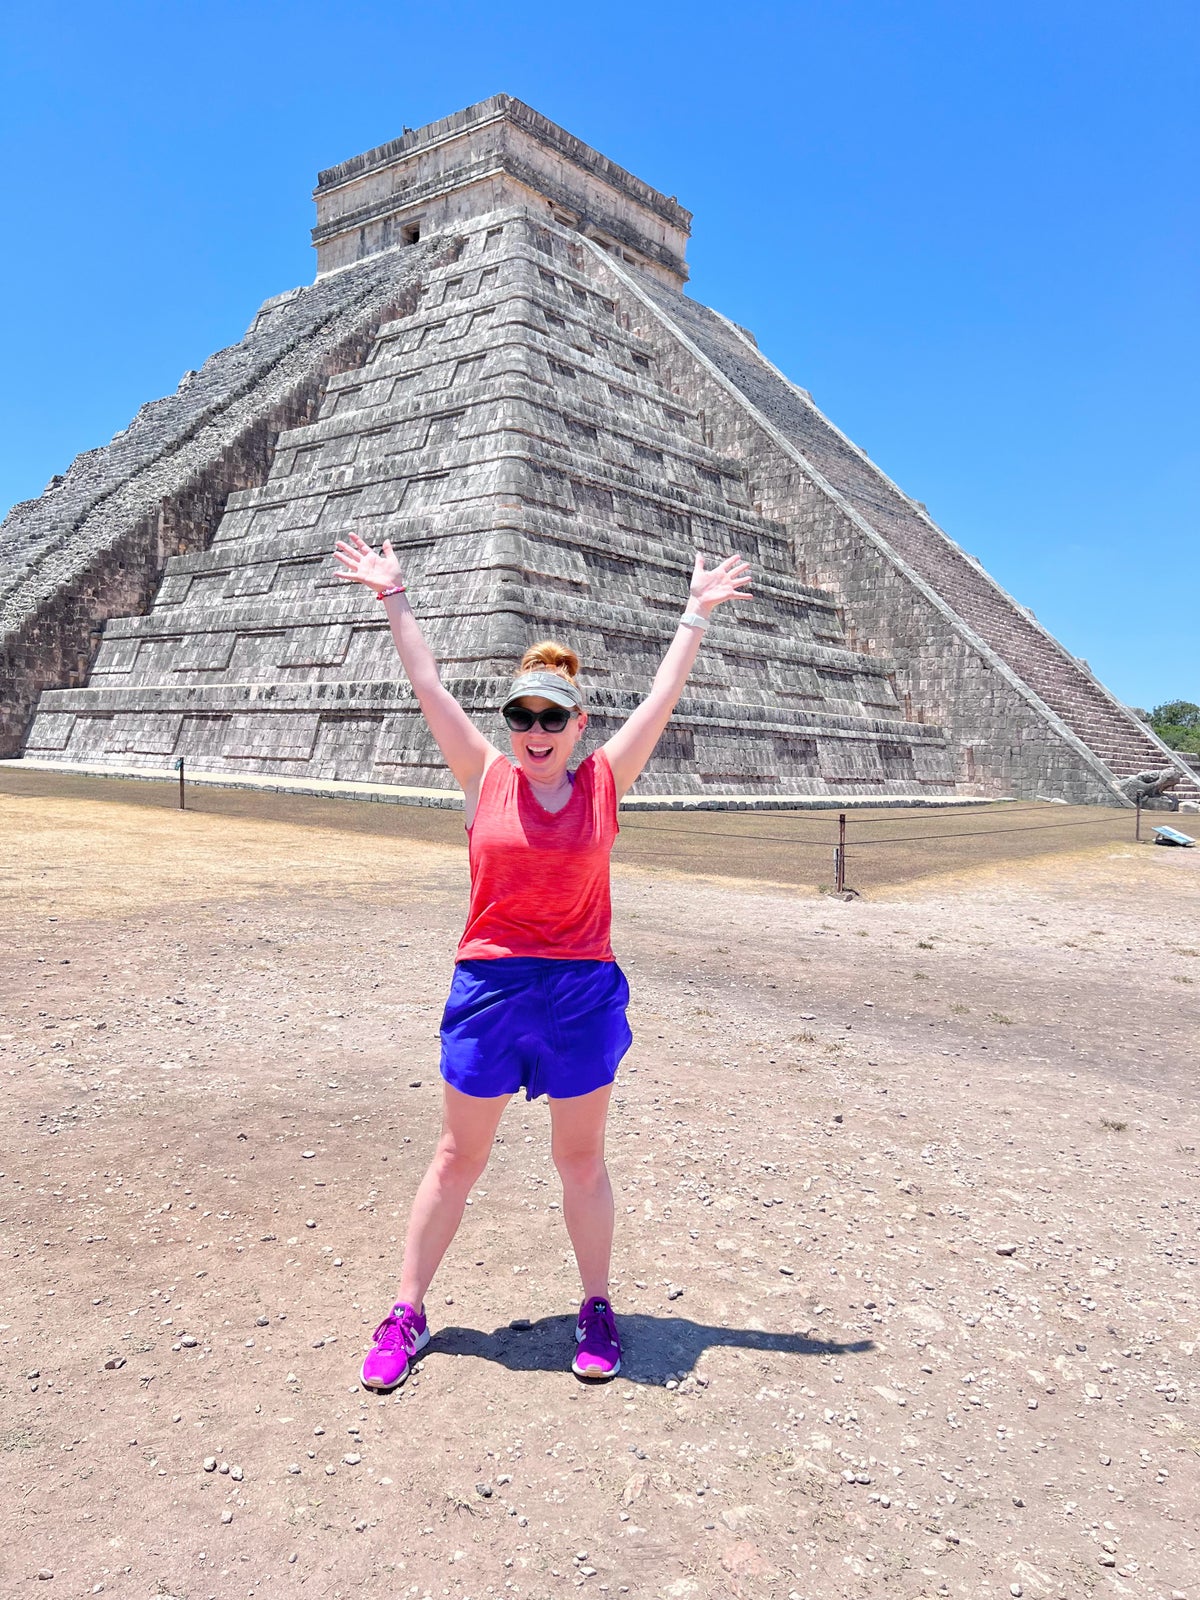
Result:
{"points": [[726, 580]]}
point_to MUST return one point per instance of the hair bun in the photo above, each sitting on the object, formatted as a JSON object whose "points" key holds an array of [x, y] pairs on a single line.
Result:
{"points": [[550, 656]]}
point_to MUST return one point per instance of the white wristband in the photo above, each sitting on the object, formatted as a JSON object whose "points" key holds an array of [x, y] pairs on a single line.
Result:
{"points": [[693, 619]]}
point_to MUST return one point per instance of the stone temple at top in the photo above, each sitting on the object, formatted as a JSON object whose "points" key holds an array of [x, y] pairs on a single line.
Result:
{"points": [[497, 368]]}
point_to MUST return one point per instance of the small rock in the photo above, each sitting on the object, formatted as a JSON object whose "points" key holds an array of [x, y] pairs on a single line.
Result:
{"points": [[1106, 1461], [351, 1459], [1006, 1249], [484, 1489], [360, 1527], [307, 1155], [415, 1084], [115, 1364], [837, 1116], [330, 1470], [227, 1516], [294, 1469], [1017, 1501], [236, 1474], [45, 1574], [1015, 1590], [505, 1477], [189, 1341], [224, 1468], [311, 1222], [262, 1322], [1032, 1404], [788, 1272], [337, 1261], [1106, 1560], [34, 1372], [674, 1294], [210, 1463]]}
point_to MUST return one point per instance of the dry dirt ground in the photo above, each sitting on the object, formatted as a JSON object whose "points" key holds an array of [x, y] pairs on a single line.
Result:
{"points": [[907, 1245]]}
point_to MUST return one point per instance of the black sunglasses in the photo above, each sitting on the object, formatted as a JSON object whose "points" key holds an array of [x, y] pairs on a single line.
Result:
{"points": [[553, 719]]}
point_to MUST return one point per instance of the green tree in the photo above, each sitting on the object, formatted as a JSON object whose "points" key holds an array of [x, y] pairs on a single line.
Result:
{"points": [[1177, 724]]}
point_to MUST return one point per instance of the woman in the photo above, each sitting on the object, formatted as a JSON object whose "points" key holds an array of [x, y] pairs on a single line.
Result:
{"points": [[537, 1000]]}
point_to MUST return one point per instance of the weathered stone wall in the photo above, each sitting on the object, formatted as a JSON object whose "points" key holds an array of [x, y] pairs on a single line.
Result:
{"points": [[93, 546]]}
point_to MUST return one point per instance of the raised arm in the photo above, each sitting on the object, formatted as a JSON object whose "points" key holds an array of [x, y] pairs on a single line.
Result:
{"points": [[466, 750], [632, 745]]}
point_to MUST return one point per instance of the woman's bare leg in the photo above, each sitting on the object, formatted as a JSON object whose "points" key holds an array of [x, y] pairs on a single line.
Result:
{"points": [[577, 1142], [468, 1130]]}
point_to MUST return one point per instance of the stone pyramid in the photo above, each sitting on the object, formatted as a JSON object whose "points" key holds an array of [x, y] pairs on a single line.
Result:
{"points": [[497, 369]]}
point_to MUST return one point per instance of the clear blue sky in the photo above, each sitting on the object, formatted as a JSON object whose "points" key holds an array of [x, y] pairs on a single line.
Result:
{"points": [[969, 228]]}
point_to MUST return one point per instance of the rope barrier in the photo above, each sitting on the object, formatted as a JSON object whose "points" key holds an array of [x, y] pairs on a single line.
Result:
{"points": [[907, 813], [834, 831], [981, 833], [720, 833], [932, 835]]}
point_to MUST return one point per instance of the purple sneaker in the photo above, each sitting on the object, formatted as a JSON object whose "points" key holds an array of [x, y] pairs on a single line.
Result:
{"points": [[599, 1353], [397, 1339]]}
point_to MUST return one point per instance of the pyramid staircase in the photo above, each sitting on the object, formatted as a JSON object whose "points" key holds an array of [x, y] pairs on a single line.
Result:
{"points": [[1061, 683]]}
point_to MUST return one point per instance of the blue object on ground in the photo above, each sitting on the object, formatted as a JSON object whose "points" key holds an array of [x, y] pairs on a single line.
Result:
{"points": [[1171, 836]]}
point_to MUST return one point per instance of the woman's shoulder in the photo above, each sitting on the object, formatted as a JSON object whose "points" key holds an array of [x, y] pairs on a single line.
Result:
{"points": [[499, 774], [596, 773], [595, 767]]}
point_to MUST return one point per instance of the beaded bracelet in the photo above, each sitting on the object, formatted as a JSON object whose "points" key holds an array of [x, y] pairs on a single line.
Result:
{"points": [[392, 588]]}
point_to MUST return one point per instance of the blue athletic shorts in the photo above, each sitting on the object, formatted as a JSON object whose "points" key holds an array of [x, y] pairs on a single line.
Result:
{"points": [[528, 1022]]}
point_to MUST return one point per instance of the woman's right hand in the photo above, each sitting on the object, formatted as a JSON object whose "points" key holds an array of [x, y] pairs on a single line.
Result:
{"points": [[361, 564]]}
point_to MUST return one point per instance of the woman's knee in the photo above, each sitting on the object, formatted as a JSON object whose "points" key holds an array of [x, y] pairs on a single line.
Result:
{"points": [[458, 1164], [581, 1169]]}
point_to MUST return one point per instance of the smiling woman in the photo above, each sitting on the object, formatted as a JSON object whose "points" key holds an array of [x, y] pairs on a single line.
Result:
{"points": [[537, 1001]]}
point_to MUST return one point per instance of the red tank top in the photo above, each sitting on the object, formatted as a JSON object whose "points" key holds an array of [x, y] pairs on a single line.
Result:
{"points": [[539, 879]]}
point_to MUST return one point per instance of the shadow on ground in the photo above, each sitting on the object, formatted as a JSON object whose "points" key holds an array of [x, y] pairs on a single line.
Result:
{"points": [[653, 1348]]}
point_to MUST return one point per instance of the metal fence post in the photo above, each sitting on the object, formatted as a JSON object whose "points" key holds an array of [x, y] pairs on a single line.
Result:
{"points": [[839, 857], [179, 769]]}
